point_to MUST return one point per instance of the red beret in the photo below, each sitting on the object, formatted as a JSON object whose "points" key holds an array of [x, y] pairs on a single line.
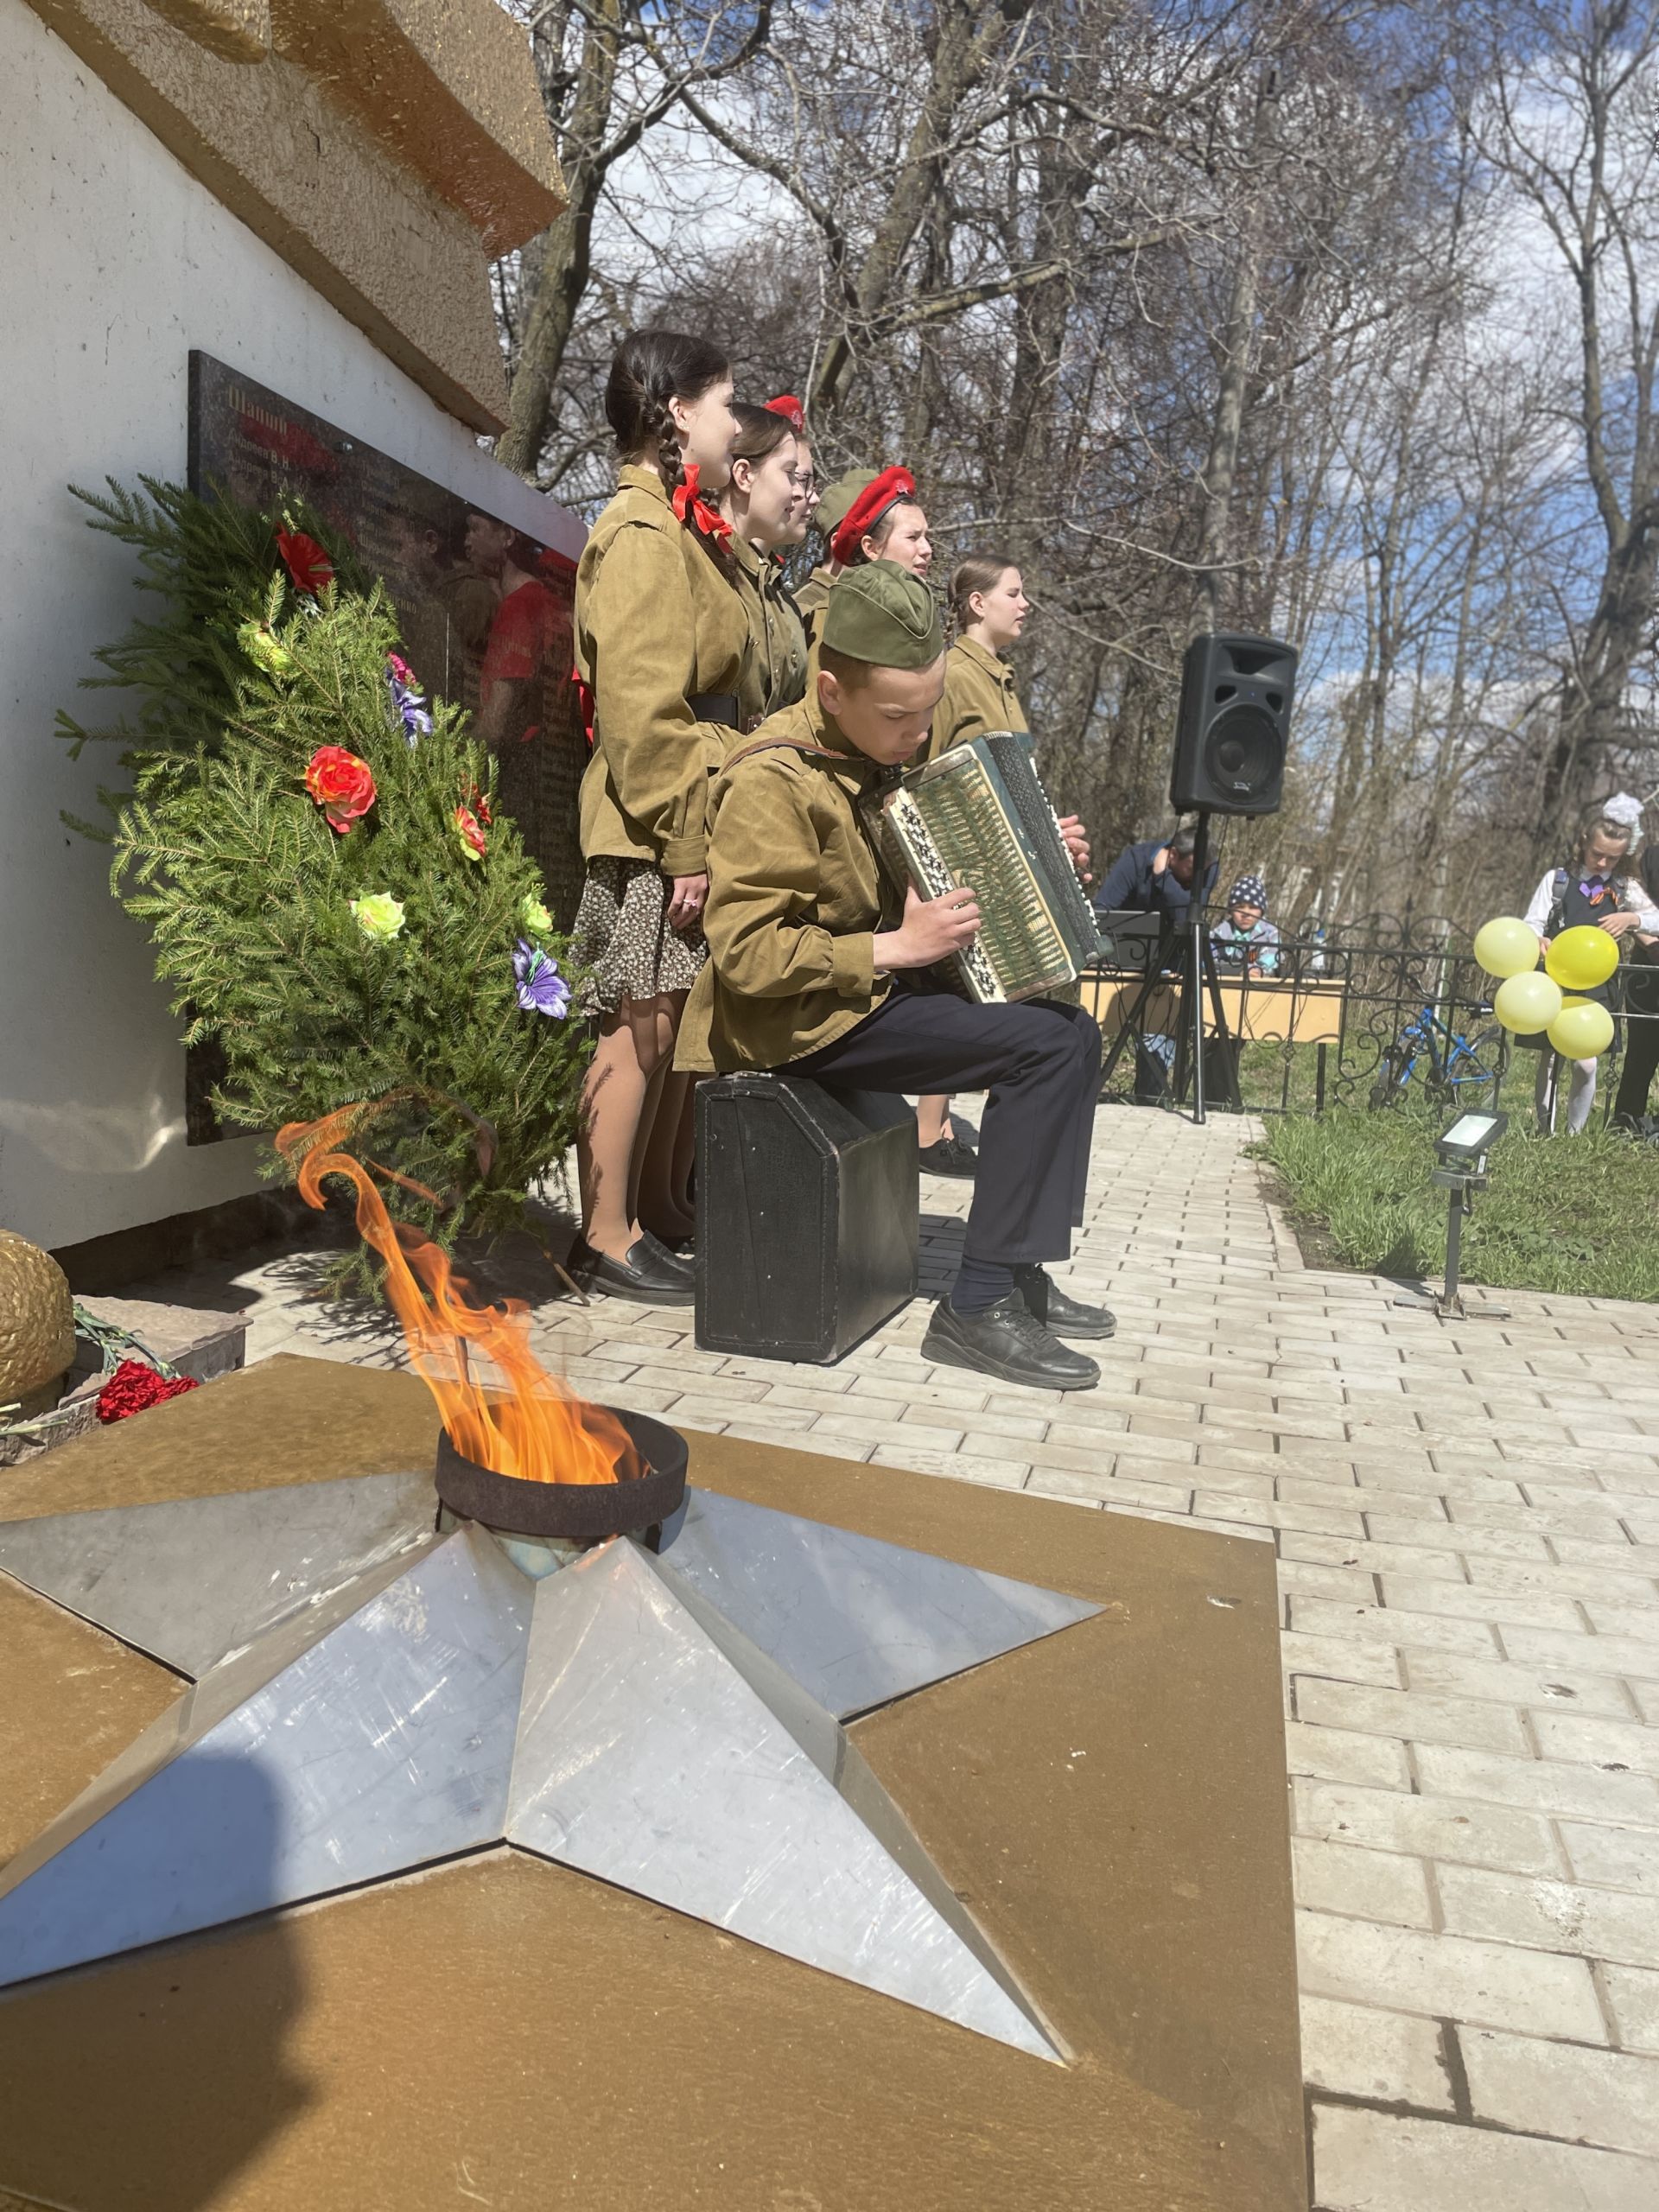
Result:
{"points": [[890, 488], [790, 408]]}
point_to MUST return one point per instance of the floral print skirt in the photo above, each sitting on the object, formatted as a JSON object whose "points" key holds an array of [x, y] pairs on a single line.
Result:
{"points": [[622, 936]]}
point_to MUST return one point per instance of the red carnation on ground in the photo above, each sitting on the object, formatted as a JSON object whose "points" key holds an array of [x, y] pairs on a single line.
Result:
{"points": [[133, 1386], [342, 784], [306, 561]]}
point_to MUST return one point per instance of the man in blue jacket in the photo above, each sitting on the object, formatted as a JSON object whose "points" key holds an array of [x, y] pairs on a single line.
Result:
{"points": [[1154, 878], [1151, 878]]}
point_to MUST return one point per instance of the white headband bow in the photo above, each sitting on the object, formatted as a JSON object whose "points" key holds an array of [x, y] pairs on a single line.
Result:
{"points": [[1623, 810]]}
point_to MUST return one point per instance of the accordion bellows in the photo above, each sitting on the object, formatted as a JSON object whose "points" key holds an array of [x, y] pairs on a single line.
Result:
{"points": [[978, 817]]}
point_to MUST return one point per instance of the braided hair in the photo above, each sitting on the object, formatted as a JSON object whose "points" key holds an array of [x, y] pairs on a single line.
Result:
{"points": [[650, 368]]}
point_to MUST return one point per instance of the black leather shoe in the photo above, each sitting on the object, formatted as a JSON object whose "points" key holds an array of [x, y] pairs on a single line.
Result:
{"points": [[648, 1275], [1005, 1342], [1064, 1317], [676, 1246], [950, 1156]]}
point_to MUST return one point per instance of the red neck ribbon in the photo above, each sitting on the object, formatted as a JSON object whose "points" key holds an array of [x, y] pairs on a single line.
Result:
{"points": [[690, 506], [584, 706]]}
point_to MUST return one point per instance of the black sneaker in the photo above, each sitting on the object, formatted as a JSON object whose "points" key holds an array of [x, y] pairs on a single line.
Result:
{"points": [[647, 1274], [950, 1156], [1064, 1317], [1005, 1342]]}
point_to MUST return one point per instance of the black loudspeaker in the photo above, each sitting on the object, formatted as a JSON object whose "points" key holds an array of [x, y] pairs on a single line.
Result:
{"points": [[807, 1211], [1235, 725]]}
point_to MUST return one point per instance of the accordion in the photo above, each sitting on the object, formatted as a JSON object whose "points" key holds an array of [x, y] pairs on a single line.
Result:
{"points": [[978, 818]]}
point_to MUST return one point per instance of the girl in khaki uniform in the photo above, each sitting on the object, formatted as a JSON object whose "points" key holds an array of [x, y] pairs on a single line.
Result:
{"points": [[989, 607], [806, 495], [827, 516], [760, 503], [885, 522], [663, 647], [989, 603]]}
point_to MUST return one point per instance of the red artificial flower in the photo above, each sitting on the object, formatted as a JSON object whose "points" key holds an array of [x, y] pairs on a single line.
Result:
{"points": [[479, 804], [470, 831], [342, 784], [306, 561], [691, 507], [133, 1386]]}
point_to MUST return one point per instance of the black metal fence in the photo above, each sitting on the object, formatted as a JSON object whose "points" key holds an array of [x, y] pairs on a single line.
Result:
{"points": [[1369, 1014]]}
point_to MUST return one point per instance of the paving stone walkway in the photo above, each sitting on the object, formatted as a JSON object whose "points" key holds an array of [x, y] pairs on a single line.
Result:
{"points": [[1466, 1520]]}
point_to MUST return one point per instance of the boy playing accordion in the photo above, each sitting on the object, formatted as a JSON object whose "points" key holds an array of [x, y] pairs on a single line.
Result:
{"points": [[810, 955]]}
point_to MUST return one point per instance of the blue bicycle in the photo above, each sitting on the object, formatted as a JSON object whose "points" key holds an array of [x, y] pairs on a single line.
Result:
{"points": [[1445, 1064]]}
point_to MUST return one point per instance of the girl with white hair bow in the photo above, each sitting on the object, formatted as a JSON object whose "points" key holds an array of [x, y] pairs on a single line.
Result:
{"points": [[1598, 888]]}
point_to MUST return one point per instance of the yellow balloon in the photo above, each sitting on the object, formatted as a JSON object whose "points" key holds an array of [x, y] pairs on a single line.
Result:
{"points": [[1506, 946], [1526, 1003], [1581, 1030], [1580, 959]]}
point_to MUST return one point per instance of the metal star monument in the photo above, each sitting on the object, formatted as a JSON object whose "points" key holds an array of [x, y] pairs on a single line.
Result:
{"points": [[669, 1720]]}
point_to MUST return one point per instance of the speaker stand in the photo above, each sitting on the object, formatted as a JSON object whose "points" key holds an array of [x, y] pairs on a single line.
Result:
{"points": [[1199, 974], [1129, 1028]]}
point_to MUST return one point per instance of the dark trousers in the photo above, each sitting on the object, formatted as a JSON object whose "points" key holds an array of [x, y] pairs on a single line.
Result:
{"points": [[1040, 1063], [1641, 1058]]}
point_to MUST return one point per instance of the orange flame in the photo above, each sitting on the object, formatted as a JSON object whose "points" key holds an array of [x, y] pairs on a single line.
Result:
{"points": [[500, 1405]]}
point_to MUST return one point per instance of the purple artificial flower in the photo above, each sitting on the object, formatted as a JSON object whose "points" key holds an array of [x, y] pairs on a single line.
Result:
{"points": [[415, 720], [406, 700], [541, 988]]}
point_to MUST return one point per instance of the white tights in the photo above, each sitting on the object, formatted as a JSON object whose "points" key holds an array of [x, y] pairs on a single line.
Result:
{"points": [[1580, 1092]]}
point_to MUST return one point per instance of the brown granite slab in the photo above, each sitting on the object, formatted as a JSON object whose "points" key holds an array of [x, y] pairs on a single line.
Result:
{"points": [[1110, 1800]]}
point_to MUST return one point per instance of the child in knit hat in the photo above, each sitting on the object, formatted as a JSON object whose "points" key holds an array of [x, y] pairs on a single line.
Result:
{"points": [[1247, 941]]}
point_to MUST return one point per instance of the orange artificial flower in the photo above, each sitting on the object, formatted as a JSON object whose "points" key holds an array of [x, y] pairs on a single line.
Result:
{"points": [[342, 784]]}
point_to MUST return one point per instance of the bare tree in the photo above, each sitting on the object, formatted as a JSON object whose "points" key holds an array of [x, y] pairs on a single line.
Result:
{"points": [[610, 70], [1182, 304], [1565, 105]]}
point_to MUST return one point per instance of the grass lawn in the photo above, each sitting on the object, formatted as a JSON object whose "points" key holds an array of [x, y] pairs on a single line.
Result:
{"points": [[1568, 1214], [1274, 1078]]}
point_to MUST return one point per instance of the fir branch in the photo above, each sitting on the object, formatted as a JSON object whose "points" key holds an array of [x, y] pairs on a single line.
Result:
{"points": [[246, 891]]}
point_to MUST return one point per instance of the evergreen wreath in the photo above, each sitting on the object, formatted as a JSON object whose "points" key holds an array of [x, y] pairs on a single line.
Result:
{"points": [[313, 847]]}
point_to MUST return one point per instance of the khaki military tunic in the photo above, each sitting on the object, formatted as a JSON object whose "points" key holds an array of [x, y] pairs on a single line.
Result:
{"points": [[777, 672], [813, 597], [795, 901], [794, 645], [979, 696], [659, 623]]}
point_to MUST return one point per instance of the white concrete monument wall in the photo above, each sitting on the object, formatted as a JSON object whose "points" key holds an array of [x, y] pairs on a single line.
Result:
{"points": [[114, 262]]}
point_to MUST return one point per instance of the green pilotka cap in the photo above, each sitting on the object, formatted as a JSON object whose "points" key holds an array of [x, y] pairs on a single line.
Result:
{"points": [[836, 502], [884, 614]]}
